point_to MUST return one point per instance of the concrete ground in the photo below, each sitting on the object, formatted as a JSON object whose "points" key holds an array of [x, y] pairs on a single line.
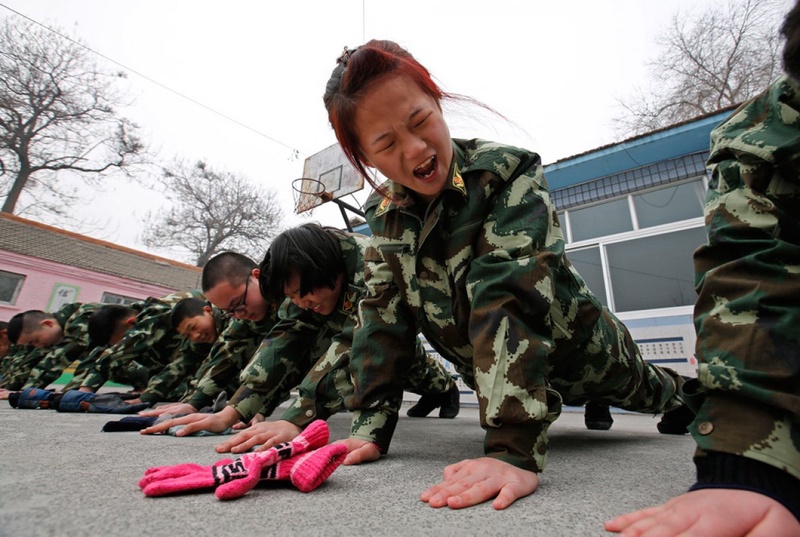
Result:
{"points": [[61, 476]]}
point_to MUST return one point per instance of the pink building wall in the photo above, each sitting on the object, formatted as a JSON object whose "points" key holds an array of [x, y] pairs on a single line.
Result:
{"points": [[49, 285]]}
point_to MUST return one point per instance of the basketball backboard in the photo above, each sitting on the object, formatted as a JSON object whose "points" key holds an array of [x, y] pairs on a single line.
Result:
{"points": [[334, 171]]}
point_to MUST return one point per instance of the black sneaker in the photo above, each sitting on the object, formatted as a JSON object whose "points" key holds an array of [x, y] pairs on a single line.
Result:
{"points": [[676, 421], [597, 416], [451, 405]]}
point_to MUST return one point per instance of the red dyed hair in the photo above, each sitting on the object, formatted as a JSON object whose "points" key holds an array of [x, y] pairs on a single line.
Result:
{"points": [[355, 73]]}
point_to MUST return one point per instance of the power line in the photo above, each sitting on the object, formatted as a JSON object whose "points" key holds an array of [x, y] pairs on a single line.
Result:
{"points": [[294, 150]]}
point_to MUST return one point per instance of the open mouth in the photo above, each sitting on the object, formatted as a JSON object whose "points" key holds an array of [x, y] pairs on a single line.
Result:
{"points": [[426, 169]]}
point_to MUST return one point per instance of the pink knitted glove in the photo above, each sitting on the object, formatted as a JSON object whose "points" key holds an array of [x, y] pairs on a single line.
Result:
{"points": [[306, 471], [192, 476], [163, 480]]}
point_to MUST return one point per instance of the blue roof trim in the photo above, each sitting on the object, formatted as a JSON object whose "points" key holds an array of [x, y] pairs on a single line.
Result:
{"points": [[682, 139], [363, 229]]}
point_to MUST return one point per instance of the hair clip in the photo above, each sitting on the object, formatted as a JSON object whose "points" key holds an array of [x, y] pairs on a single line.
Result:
{"points": [[345, 57]]}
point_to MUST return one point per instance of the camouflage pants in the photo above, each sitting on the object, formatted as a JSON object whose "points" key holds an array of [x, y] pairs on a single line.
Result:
{"points": [[608, 367]]}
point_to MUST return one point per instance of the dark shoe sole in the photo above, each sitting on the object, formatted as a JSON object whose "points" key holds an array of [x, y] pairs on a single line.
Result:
{"points": [[599, 425], [419, 412]]}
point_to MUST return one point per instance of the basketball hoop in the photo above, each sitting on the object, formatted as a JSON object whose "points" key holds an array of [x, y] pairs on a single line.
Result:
{"points": [[308, 193]]}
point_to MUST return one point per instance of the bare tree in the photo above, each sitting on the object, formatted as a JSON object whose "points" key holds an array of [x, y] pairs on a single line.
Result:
{"points": [[213, 211], [723, 57], [57, 114]]}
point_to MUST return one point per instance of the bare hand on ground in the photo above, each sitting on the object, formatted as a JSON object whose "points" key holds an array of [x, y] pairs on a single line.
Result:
{"points": [[359, 451], [215, 423], [718, 512], [265, 435], [475, 481], [172, 408]]}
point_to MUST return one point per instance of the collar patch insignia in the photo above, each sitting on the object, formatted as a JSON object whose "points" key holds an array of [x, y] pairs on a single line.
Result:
{"points": [[458, 181], [383, 206], [349, 303]]}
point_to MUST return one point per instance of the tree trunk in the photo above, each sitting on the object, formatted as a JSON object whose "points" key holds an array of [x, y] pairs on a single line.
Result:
{"points": [[16, 189]]}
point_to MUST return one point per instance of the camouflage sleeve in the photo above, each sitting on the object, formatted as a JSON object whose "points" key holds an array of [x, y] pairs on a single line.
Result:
{"points": [[112, 357], [229, 354], [167, 384], [148, 346], [511, 284], [268, 378], [84, 366], [23, 359], [118, 363], [8, 359], [748, 311], [327, 387], [50, 367], [97, 374], [383, 349], [277, 366]]}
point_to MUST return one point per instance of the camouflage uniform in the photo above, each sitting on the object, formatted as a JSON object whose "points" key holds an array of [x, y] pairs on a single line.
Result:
{"points": [[5, 361], [83, 366], [228, 356], [482, 273], [747, 314], [173, 381], [18, 365], [74, 344], [146, 350], [287, 359]]}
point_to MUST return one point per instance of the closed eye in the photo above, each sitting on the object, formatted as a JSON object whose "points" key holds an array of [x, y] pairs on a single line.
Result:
{"points": [[386, 147]]}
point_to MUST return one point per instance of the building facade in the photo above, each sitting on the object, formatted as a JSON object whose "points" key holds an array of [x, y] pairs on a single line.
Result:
{"points": [[42, 267], [632, 215]]}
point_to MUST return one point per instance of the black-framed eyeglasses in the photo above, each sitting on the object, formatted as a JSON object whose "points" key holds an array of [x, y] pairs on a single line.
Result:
{"points": [[241, 305]]}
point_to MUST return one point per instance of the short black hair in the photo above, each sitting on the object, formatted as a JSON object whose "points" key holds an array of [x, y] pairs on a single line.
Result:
{"points": [[186, 309], [105, 321], [791, 49], [25, 322], [226, 267], [310, 251]]}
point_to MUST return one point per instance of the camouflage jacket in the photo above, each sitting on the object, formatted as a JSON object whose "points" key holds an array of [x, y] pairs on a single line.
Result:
{"points": [[286, 358], [481, 272], [74, 344], [8, 359], [228, 356], [173, 381], [747, 314], [84, 366], [17, 365], [146, 348]]}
